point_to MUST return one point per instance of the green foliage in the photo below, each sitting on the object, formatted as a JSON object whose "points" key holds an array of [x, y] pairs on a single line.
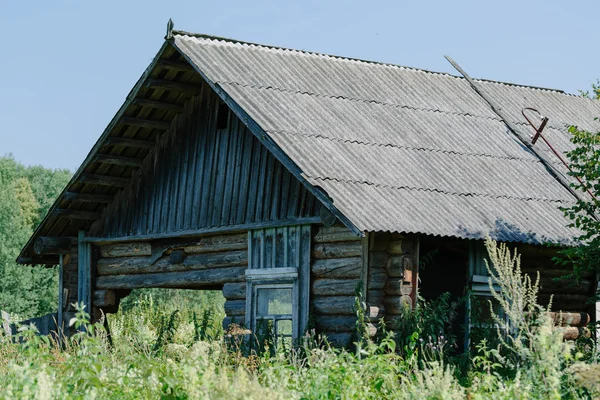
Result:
{"points": [[26, 194]]}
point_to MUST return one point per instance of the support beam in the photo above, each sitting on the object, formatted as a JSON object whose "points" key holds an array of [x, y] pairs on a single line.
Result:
{"points": [[53, 245], [129, 142], [146, 123], [61, 301], [176, 65], [84, 272], [173, 86], [41, 260], [119, 160], [158, 105], [104, 180], [76, 214], [88, 197]]}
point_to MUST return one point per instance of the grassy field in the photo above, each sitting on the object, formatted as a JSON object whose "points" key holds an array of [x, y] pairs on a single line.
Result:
{"points": [[170, 344]]}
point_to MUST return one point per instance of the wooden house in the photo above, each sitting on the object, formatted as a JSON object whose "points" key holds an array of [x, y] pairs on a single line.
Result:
{"points": [[286, 178]]}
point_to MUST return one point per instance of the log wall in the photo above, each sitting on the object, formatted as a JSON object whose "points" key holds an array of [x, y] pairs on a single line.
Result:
{"points": [[209, 262], [337, 267]]}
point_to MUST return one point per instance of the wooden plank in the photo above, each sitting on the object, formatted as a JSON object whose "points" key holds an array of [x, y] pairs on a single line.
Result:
{"points": [[131, 249], [349, 268], [234, 291], [244, 179], [334, 287], [119, 160], [218, 243], [159, 105], [334, 305], [208, 165], [53, 245], [88, 197], [173, 86], [146, 123], [61, 293], [211, 278], [220, 175], [143, 265], [230, 171], [337, 250], [334, 234], [104, 180], [84, 273], [238, 160], [76, 214], [204, 231], [129, 142], [235, 308], [176, 65]]}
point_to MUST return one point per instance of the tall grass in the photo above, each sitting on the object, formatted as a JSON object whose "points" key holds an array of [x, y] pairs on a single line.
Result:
{"points": [[167, 349]]}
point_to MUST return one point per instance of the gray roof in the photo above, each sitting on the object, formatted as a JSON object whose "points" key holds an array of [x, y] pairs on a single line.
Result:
{"points": [[401, 149]]}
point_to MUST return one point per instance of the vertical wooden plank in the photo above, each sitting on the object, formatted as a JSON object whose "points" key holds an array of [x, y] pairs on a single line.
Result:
{"points": [[280, 247], [276, 196], [208, 169], [222, 169], [231, 180], [292, 207], [187, 177], [285, 191], [415, 274], [267, 261], [165, 198], [178, 166], [286, 260], [304, 278], [291, 244], [61, 294], [201, 150], [262, 249], [266, 200], [253, 193], [84, 269], [244, 179], [364, 271], [260, 189], [215, 163]]}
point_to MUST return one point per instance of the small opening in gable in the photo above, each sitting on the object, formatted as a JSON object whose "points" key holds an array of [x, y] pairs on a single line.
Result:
{"points": [[222, 116]]}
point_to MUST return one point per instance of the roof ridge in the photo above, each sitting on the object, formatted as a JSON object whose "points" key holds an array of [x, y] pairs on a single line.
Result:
{"points": [[434, 190], [360, 60]]}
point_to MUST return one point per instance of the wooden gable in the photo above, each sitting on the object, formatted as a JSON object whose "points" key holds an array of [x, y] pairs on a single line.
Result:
{"points": [[208, 171]]}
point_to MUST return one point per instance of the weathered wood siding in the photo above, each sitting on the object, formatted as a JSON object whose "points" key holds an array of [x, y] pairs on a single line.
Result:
{"points": [[204, 175], [337, 267]]}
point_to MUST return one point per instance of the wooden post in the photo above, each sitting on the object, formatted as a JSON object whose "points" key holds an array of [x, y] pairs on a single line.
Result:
{"points": [[59, 314], [84, 270]]}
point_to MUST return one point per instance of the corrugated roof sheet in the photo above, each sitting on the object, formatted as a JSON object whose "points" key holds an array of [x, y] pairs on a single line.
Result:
{"points": [[400, 149]]}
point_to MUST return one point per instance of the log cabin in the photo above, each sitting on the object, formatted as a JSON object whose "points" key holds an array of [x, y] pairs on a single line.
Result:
{"points": [[287, 179]]}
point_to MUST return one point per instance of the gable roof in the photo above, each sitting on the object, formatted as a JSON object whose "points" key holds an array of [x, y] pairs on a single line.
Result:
{"points": [[385, 147]]}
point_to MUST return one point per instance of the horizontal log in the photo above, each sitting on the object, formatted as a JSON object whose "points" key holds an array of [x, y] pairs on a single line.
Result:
{"points": [[397, 287], [104, 298], [235, 308], [397, 266], [142, 265], [549, 285], [576, 319], [334, 234], [160, 105], [118, 160], [146, 123], [334, 305], [173, 86], [337, 250], [129, 142], [203, 279], [337, 268], [76, 214], [574, 333], [378, 259], [39, 260], [375, 296], [234, 291], [397, 305], [134, 249], [334, 287], [88, 197], [104, 180], [176, 65], [405, 245], [54, 244], [218, 243], [336, 323], [377, 279]]}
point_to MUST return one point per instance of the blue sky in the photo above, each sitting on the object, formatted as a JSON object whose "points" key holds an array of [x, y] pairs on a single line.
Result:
{"points": [[66, 66]]}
